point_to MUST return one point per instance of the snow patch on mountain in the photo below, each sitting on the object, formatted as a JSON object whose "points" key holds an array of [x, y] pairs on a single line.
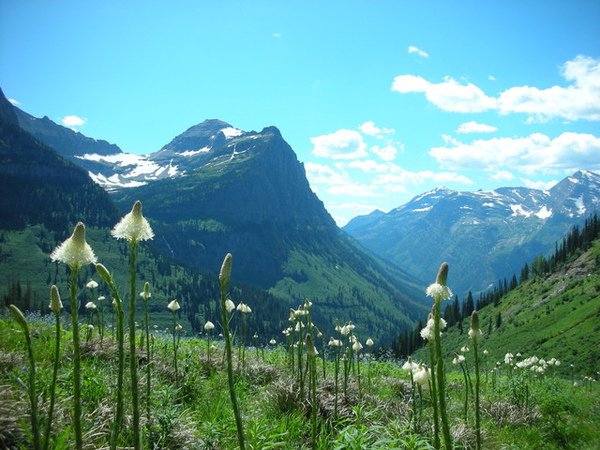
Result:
{"points": [[188, 153], [231, 132], [518, 210], [543, 213]]}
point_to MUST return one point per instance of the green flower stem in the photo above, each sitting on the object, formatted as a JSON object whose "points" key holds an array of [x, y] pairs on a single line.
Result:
{"points": [[413, 394], [76, 359], [337, 371], [175, 345], [137, 444], [20, 319], [465, 410], [53, 385], [224, 281], [208, 351], [313, 383], [440, 376], [477, 381], [436, 419], [149, 362]]}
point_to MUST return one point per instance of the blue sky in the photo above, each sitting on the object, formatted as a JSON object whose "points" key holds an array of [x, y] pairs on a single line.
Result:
{"points": [[381, 100]]}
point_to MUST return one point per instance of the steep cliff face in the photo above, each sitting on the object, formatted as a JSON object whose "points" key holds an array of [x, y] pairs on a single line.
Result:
{"points": [[251, 197], [37, 186]]}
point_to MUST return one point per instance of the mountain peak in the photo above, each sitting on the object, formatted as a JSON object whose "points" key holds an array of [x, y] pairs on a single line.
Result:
{"points": [[203, 135], [7, 112]]}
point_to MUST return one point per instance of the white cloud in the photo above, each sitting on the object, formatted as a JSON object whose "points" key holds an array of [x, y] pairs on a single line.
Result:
{"points": [[342, 144], [387, 153], [491, 78], [337, 182], [73, 121], [369, 166], [580, 100], [277, 35], [543, 185], [418, 51], [400, 179], [534, 153], [503, 175], [370, 129], [13, 101], [449, 95], [474, 127]]}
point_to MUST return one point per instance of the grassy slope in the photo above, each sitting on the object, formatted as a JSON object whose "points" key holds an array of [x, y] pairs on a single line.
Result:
{"points": [[557, 316], [195, 413]]}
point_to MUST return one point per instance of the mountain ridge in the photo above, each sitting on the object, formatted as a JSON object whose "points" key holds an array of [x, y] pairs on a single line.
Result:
{"points": [[485, 235]]}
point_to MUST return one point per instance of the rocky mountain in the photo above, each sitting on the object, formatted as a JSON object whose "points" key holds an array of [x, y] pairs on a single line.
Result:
{"points": [[216, 189], [484, 236], [38, 186], [246, 193]]}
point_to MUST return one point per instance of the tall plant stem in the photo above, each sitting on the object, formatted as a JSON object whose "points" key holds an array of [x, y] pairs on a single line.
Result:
{"points": [[149, 361], [440, 376], [135, 401], [226, 335], [76, 359], [53, 385], [477, 386], [436, 418]]}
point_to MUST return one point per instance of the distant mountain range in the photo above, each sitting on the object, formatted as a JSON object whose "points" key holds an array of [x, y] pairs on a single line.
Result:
{"points": [[484, 236], [216, 189]]}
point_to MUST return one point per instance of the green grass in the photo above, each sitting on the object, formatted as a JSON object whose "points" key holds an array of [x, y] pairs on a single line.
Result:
{"points": [[195, 413], [553, 317]]}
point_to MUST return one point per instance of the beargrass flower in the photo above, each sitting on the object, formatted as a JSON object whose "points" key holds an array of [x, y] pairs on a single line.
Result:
{"points": [[464, 349], [133, 226], [369, 342], [91, 284], [421, 375], [75, 251], [458, 359], [90, 306], [178, 327], [357, 346], [229, 305], [209, 325], [55, 302], [438, 290], [272, 342], [173, 306], [101, 298]]}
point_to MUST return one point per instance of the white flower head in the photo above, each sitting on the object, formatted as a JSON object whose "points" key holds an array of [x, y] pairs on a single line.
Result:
{"points": [[173, 305], [55, 302], [369, 342], [508, 358], [473, 334], [438, 292], [90, 305], [458, 359], [209, 325], [485, 352], [178, 327], [243, 308], [91, 284], [357, 346], [90, 327], [421, 375], [75, 251], [101, 298], [146, 294], [229, 305], [272, 342], [133, 226], [409, 365], [464, 349], [334, 342]]}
